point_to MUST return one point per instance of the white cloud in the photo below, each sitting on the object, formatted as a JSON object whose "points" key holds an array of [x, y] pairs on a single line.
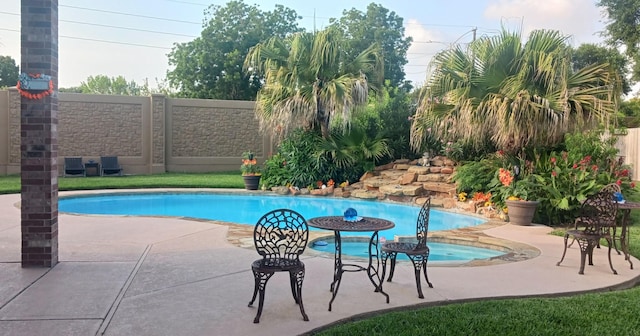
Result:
{"points": [[577, 18], [426, 43]]}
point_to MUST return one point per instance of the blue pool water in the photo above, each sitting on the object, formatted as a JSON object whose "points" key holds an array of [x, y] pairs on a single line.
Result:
{"points": [[437, 251], [247, 209]]}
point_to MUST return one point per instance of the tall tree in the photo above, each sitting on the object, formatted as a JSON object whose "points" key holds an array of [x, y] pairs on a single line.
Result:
{"points": [[210, 66], [591, 54], [8, 71], [377, 25], [310, 78], [511, 93], [623, 28], [102, 84]]}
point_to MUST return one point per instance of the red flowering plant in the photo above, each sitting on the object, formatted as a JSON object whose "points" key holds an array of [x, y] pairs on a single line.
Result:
{"points": [[249, 164], [566, 184]]}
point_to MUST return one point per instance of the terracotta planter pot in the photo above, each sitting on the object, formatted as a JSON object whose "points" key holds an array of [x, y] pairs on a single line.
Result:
{"points": [[251, 182], [521, 212]]}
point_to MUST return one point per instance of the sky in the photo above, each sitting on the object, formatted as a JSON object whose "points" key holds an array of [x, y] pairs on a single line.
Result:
{"points": [[131, 38]]}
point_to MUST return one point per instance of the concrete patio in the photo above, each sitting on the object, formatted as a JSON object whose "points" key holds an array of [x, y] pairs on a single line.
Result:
{"points": [[172, 276]]}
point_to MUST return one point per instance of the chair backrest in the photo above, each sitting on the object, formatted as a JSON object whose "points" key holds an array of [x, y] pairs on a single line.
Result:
{"points": [[109, 162], [598, 213], [422, 224], [611, 188], [281, 234], [73, 163]]}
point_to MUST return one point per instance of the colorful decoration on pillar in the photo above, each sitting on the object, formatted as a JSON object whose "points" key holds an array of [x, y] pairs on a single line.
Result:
{"points": [[34, 86]]}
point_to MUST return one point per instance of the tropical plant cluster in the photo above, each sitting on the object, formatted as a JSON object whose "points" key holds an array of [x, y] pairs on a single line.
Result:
{"points": [[560, 179], [305, 157]]}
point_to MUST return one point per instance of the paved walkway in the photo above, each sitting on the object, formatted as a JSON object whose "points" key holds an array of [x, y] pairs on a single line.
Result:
{"points": [[171, 276]]}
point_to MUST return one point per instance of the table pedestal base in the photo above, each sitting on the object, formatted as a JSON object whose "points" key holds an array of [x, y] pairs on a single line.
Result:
{"points": [[372, 269]]}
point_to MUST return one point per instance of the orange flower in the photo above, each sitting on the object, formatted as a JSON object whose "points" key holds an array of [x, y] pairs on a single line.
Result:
{"points": [[505, 177], [330, 183]]}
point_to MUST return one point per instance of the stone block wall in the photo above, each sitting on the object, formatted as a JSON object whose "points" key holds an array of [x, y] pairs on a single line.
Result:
{"points": [[148, 134]]}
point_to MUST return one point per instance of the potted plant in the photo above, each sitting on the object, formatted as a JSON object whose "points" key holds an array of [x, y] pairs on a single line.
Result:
{"points": [[518, 193], [250, 171]]}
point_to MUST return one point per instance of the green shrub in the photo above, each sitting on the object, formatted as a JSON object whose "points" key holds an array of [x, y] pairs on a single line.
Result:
{"points": [[389, 118], [275, 171], [475, 176]]}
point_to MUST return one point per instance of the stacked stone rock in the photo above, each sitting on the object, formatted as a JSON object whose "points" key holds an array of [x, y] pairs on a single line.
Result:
{"points": [[401, 181], [406, 181]]}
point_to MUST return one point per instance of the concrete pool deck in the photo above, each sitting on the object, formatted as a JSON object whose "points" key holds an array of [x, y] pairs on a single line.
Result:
{"points": [[121, 275]]}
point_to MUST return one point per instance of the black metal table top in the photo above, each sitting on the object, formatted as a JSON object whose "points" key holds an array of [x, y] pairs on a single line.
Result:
{"points": [[337, 223]]}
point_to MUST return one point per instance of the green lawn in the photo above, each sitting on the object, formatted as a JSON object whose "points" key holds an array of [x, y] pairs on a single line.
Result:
{"points": [[11, 184], [612, 313]]}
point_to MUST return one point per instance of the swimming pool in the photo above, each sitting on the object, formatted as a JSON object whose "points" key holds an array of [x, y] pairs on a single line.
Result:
{"points": [[247, 209], [437, 251]]}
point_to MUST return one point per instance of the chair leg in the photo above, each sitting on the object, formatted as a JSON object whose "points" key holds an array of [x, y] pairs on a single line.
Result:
{"points": [[256, 285], [393, 256], [416, 271], [610, 242], [566, 239], [261, 279], [296, 281], [294, 286], [424, 269], [586, 248], [583, 255]]}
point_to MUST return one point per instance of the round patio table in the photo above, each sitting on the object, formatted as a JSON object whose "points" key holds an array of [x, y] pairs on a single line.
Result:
{"points": [[337, 224]]}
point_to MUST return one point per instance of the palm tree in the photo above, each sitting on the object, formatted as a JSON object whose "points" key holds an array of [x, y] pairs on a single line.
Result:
{"points": [[308, 79], [515, 95]]}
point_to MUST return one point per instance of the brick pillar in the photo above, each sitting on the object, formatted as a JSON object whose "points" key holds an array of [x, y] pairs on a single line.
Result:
{"points": [[39, 137]]}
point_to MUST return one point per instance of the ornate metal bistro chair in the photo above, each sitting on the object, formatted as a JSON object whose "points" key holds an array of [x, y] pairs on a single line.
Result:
{"points": [[596, 218], [280, 237], [611, 188], [418, 252]]}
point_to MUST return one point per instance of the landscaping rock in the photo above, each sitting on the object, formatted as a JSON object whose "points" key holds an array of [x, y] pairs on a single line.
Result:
{"points": [[367, 176], [440, 187], [420, 201], [431, 178], [412, 190], [447, 203], [364, 194], [402, 166], [400, 161], [282, 190], [435, 170], [402, 199], [392, 175], [446, 170], [449, 163], [437, 162], [375, 182], [391, 189], [420, 170], [408, 178], [385, 167]]}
